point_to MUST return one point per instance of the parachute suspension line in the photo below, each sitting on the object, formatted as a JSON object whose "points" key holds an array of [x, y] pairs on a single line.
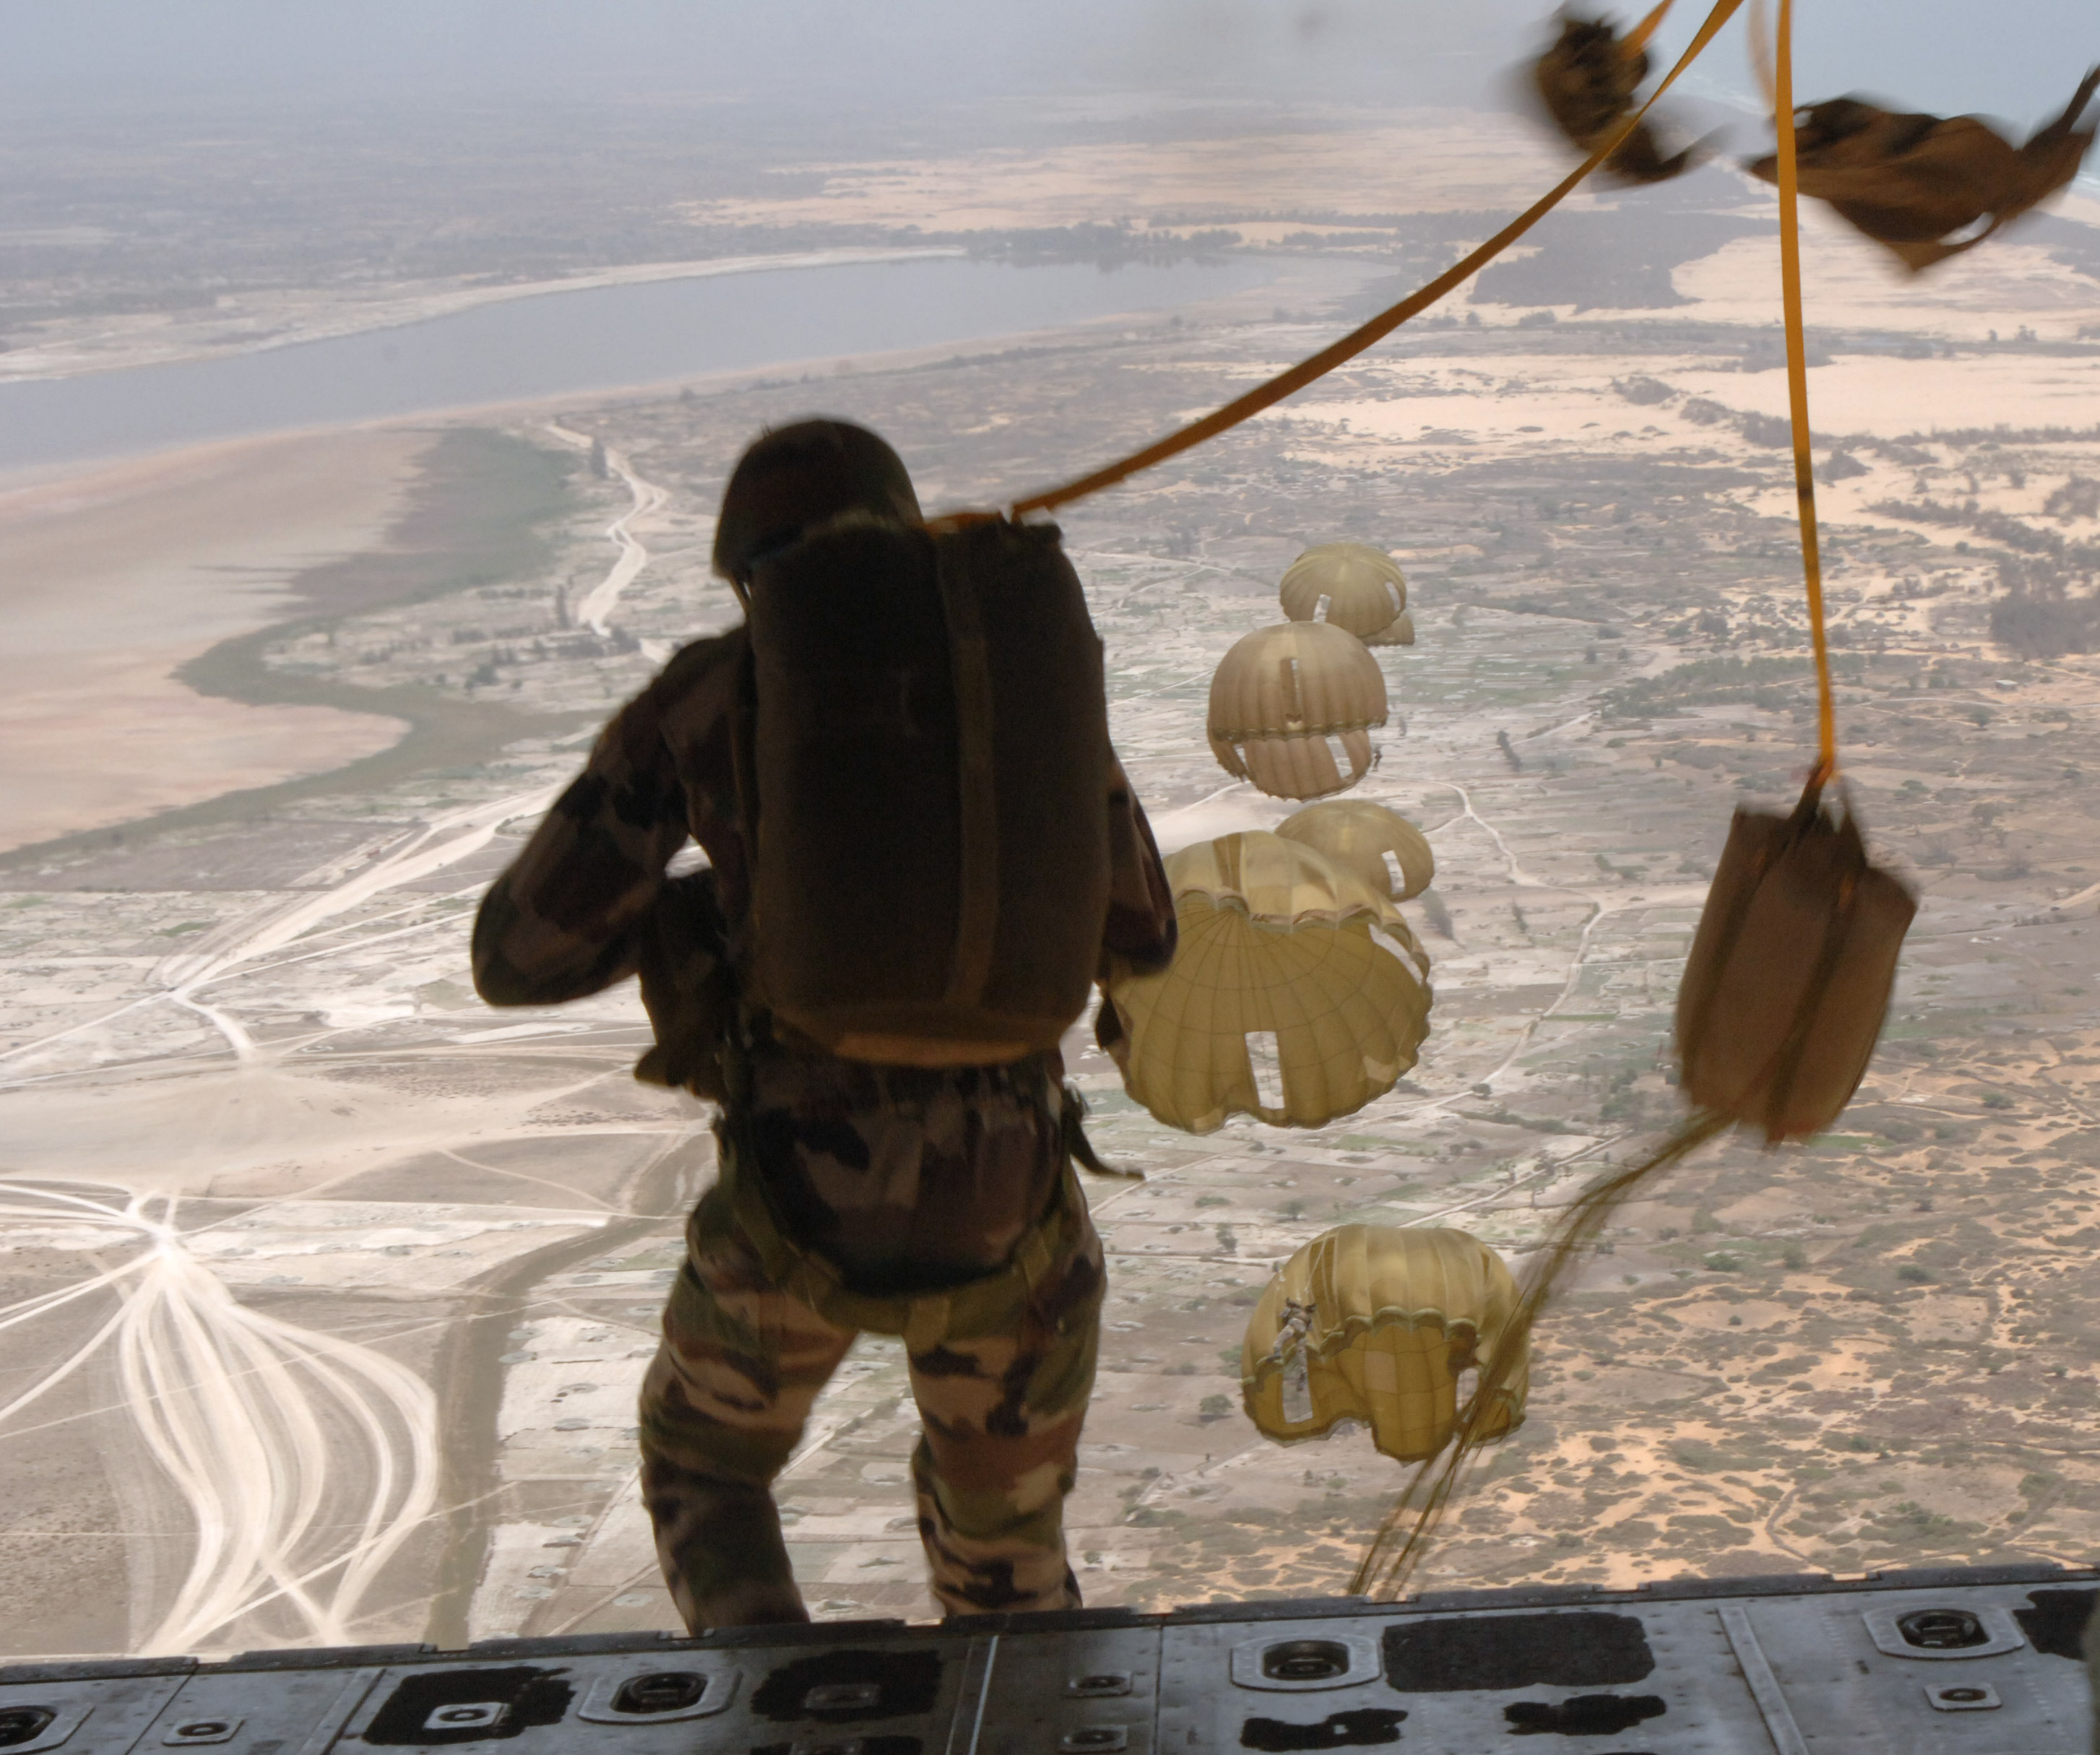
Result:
{"points": [[1637, 38], [1404, 1537], [1797, 390], [1308, 371], [1759, 27]]}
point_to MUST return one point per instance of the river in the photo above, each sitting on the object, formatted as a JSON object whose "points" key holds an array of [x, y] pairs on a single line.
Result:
{"points": [[592, 340]]}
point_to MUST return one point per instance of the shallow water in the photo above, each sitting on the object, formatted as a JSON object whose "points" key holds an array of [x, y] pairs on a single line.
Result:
{"points": [[595, 339]]}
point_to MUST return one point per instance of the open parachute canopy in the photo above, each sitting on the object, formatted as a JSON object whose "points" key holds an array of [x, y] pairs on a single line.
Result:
{"points": [[1377, 847], [1293, 708], [1352, 586], [1377, 1323], [1286, 962]]}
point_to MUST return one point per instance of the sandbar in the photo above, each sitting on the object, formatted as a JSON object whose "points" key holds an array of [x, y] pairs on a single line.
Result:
{"points": [[111, 579]]}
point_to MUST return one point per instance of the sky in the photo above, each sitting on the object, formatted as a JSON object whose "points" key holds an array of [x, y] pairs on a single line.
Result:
{"points": [[2017, 59]]}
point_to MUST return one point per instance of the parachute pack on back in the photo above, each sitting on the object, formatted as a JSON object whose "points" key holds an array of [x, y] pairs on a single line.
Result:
{"points": [[925, 775]]}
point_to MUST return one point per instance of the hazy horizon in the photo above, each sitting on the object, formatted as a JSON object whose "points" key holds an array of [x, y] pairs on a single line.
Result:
{"points": [[117, 53]]}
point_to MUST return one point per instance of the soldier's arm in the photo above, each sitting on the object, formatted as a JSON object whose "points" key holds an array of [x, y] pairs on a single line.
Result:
{"points": [[564, 919], [1140, 931]]}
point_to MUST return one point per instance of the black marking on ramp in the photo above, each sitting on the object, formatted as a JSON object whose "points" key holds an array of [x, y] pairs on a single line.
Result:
{"points": [[2055, 1624], [532, 1696], [906, 1681], [1364, 1727], [1574, 1649], [1585, 1715]]}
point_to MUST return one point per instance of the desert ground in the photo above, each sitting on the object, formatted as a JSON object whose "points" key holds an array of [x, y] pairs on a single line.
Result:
{"points": [[114, 580], [329, 1289]]}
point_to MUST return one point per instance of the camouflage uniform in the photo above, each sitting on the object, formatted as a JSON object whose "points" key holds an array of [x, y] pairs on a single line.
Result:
{"points": [[1002, 1363], [937, 1206]]}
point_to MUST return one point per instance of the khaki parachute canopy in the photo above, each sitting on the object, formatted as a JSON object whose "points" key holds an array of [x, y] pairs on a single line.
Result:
{"points": [[1912, 182], [1377, 847], [1352, 586], [1376, 1323], [1285, 961], [1293, 708]]}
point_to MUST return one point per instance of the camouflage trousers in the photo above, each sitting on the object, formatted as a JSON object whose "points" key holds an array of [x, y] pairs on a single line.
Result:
{"points": [[1001, 1367]]}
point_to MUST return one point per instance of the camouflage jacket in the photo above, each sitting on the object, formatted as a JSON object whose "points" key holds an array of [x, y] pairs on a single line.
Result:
{"points": [[909, 1176]]}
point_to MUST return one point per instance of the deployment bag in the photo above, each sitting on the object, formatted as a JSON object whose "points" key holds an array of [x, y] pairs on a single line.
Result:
{"points": [[924, 775], [1789, 974]]}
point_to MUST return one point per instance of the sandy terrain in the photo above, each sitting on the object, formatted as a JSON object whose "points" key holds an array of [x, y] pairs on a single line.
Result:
{"points": [[1428, 161], [1845, 279], [1541, 404], [109, 581], [1848, 281], [1883, 396]]}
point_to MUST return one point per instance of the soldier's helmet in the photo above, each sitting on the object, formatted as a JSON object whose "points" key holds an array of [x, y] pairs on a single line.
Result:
{"points": [[795, 477]]}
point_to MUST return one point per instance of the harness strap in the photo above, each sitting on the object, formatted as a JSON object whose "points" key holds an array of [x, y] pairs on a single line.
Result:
{"points": [[977, 876], [1636, 39], [982, 1306]]}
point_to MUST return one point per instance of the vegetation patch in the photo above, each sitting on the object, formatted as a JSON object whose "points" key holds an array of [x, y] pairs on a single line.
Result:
{"points": [[1709, 681]]}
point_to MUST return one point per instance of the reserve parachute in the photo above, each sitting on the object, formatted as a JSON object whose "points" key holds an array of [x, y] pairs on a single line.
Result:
{"points": [[1293, 708], [1379, 1324], [1297, 994]]}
